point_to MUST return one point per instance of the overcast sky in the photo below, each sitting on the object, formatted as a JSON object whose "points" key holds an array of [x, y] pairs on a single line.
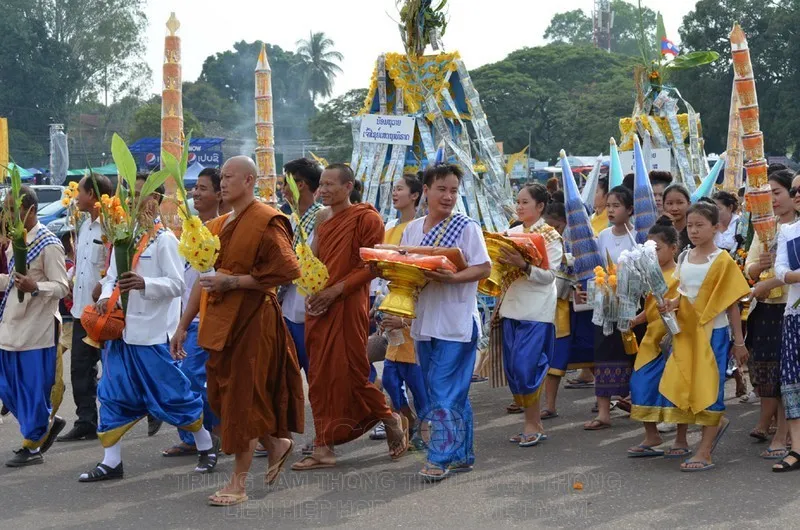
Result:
{"points": [[482, 31]]}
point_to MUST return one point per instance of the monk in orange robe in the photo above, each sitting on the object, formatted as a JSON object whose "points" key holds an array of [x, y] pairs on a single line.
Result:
{"points": [[344, 403], [254, 382]]}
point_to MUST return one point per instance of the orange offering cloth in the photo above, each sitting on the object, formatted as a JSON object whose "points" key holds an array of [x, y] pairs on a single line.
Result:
{"points": [[453, 254], [254, 382], [534, 246], [430, 263], [344, 403]]}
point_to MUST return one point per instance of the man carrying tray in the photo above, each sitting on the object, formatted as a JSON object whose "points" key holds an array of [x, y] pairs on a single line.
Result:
{"points": [[446, 329]]}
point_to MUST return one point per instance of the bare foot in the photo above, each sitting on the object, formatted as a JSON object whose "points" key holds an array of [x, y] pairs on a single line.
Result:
{"points": [[397, 435]]}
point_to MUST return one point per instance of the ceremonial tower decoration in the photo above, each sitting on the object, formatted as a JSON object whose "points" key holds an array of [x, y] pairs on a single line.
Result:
{"points": [[172, 98], [265, 131]]}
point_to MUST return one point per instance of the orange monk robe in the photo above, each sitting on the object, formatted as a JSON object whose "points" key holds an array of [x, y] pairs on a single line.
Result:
{"points": [[344, 403], [254, 382]]}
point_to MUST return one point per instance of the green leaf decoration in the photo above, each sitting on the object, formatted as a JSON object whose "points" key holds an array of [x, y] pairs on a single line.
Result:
{"points": [[185, 155], [172, 166], [154, 180], [693, 60], [126, 165], [293, 188]]}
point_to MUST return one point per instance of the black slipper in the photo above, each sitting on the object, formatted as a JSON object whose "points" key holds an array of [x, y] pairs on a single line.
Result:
{"points": [[102, 472], [784, 466]]}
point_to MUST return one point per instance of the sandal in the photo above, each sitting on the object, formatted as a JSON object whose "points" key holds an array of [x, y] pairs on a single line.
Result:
{"points": [[784, 466], [724, 424], [514, 409], [460, 468], [102, 472], [703, 466], [270, 478], [677, 452], [530, 440], [774, 454], [180, 449], [207, 460], [426, 474], [642, 450], [235, 498], [401, 444], [309, 463], [759, 435], [596, 425], [547, 414], [576, 384], [478, 379]]}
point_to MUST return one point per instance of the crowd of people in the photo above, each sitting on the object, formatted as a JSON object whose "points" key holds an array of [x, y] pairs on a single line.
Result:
{"points": [[221, 355]]}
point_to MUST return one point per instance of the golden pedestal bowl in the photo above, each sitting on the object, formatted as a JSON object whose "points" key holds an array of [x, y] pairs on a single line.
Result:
{"points": [[495, 244], [405, 283]]}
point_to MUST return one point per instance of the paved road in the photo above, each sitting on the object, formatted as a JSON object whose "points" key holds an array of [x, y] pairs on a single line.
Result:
{"points": [[510, 487]]}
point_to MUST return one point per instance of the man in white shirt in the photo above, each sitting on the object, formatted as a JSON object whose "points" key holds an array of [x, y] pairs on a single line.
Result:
{"points": [[447, 328], [30, 385], [90, 263], [139, 375], [207, 197]]}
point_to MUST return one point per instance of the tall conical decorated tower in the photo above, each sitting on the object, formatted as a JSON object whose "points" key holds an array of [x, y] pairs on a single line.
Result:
{"points": [[172, 97], [265, 131], [417, 102]]}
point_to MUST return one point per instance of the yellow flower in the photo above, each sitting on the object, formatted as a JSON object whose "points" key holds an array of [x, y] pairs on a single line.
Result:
{"points": [[73, 185], [65, 201]]}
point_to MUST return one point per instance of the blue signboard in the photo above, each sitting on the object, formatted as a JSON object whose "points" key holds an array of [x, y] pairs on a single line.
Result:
{"points": [[205, 151]]}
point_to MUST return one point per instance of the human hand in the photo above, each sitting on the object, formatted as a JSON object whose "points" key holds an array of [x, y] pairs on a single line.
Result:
{"points": [[101, 306], [669, 305], [219, 282], [581, 296], [176, 344], [130, 281], [392, 322], [740, 353], [319, 303], [766, 260], [761, 291], [24, 283], [513, 258], [441, 276]]}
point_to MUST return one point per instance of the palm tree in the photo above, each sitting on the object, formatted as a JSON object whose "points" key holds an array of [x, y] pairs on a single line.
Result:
{"points": [[319, 64]]}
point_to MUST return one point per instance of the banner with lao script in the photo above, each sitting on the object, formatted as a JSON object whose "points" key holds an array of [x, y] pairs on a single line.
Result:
{"points": [[660, 160], [383, 129]]}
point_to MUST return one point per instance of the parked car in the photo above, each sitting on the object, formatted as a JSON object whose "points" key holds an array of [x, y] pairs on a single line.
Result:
{"points": [[48, 194]]}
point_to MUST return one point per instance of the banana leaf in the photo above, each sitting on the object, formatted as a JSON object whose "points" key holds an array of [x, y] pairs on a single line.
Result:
{"points": [[693, 60]]}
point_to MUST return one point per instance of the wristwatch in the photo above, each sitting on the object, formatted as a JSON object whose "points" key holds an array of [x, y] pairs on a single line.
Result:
{"points": [[35, 292]]}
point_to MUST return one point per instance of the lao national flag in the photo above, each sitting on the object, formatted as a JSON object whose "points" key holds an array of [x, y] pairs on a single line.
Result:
{"points": [[669, 48]]}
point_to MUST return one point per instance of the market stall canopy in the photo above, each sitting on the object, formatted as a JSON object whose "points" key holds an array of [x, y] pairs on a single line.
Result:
{"points": [[192, 172], [24, 173]]}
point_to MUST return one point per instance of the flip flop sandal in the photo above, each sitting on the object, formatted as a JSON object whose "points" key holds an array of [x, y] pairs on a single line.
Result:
{"points": [[514, 409], [530, 440], [677, 452], [761, 436], [516, 439], [596, 425], [278, 467], [236, 498], [297, 466], [179, 450], [548, 414], [577, 384], [462, 468], [784, 466], [429, 477], [705, 467], [624, 406], [478, 379], [646, 451], [774, 454]]}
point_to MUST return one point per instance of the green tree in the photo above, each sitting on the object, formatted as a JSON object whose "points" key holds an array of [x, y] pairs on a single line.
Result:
{"points": [[319, 64], [563, 96], [330, 128], [147, 122], [571, 27], [575, 27], [231, 74]]}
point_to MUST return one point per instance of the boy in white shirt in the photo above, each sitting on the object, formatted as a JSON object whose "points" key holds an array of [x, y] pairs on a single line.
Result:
{"points": [[29, 335], [139, 375], [446, 329]]}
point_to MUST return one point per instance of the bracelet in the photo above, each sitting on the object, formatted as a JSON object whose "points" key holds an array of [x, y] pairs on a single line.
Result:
{"points": [[742, 345]]}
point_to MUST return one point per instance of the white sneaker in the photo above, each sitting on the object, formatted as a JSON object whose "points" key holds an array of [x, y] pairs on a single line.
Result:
{"points": [[667, 427], [378, 433], [752, 397]]}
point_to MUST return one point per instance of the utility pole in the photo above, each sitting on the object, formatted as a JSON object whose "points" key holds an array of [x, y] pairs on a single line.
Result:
{"points": [[602, 22]]}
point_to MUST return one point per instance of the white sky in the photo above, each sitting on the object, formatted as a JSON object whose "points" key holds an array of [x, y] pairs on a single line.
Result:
{"points": [[482, 31]]}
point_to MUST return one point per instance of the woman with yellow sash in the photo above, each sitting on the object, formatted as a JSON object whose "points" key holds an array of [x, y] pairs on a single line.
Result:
{"points": [[710, 288], [527, 308], [647, 403]]}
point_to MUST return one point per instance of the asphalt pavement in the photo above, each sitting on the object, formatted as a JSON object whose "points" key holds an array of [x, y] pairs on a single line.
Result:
{"points": [[574, 479]]}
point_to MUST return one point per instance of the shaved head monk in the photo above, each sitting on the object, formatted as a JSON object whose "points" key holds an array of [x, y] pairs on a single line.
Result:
{"points": [[344, 403], [254, 382]]}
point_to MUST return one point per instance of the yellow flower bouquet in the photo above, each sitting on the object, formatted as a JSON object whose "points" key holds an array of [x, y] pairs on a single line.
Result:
{"points": [[197, 245], [313, 273]]}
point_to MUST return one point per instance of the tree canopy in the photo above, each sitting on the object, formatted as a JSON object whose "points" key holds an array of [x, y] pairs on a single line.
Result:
{"points": [[319, 64], [563, 96]]}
